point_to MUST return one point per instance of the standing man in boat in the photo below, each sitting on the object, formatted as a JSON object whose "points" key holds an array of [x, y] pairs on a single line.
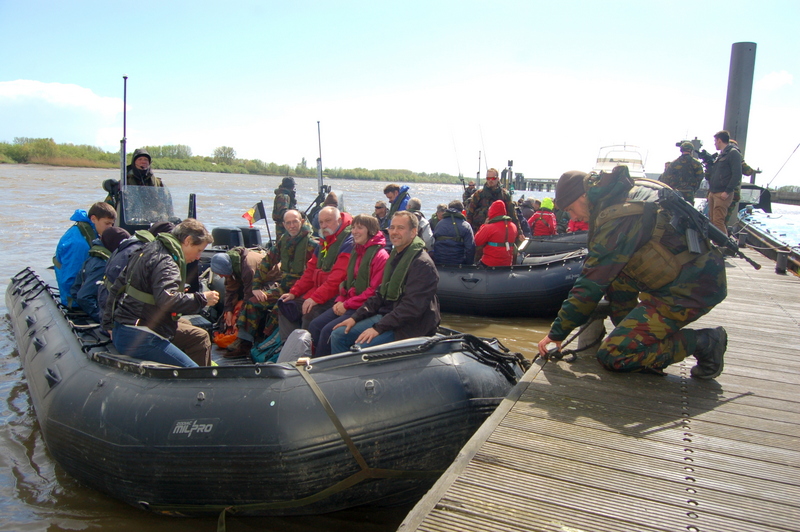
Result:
{"points": [[276, 274], [726, 175], [139, 171], [149, 297], [478, 208], [405, 305], [398, 200], [642, 265], [316, 290], [468, 192], [685, 173], [284, 200]]}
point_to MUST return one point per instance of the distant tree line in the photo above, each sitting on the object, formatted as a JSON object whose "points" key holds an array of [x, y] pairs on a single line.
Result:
{"points": [[24, 150]]}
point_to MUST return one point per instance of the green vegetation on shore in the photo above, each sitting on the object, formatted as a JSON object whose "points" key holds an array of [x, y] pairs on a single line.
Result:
{"points": [[25, 150]]}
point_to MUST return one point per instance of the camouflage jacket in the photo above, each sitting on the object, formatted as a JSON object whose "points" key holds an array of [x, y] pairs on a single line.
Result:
{"points": [[479, 204], [269, 270], [701, 282], [684, 174], [284, 200]]}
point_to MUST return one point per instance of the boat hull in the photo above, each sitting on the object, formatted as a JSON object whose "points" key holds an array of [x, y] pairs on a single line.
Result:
{"points": [[255, 439], [535, 288]]}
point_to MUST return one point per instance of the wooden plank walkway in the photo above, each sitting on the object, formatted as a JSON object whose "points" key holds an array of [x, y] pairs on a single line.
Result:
{"points": [[578, 449]]}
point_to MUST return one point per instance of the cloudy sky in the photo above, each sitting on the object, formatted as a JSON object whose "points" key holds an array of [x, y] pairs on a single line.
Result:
{"points": [[421, 85]]}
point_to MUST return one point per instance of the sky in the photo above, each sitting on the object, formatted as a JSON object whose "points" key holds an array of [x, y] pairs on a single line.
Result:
{"points": [[420, 85]]}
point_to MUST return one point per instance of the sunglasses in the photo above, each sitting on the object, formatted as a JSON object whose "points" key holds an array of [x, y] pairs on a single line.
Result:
{"points": [[379, 207]]}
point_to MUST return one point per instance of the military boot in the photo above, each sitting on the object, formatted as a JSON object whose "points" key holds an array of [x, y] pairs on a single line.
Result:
{"points": [[711, 345], [234, 345], [243, 349]]}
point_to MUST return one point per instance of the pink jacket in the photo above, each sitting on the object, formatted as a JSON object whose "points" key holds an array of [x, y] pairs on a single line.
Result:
{"points": [[352, 300]]}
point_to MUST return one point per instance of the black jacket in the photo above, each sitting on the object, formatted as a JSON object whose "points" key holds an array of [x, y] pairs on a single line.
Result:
{"points": [[153, 272]]}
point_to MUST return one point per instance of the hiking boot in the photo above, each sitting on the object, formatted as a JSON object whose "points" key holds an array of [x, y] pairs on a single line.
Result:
{"points": [[711, 345], [234, 345], [243, 350]]}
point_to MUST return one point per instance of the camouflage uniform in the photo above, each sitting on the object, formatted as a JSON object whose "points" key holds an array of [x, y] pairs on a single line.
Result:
{"points": [[479, 204], [284, 200], [649, 323], [259, 317], [684, 174]]}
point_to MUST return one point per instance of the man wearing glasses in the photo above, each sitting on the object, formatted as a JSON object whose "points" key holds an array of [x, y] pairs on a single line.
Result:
{"points": [[381, 213], [479, 204]]}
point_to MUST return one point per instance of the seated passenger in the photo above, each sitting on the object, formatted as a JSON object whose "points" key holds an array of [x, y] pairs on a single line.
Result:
{"points": [[424, 230], [85, 289], [495, 239], [405, 304], [238, 267], [364, 275], [73, 247], [454, 242], [543, 221], [149, 296]]}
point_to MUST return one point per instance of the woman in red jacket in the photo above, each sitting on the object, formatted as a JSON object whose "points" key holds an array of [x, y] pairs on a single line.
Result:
{"points": [[497, 236], [363, 278]]}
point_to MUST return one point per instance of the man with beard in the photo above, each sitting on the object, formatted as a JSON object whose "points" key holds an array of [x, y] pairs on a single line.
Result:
{"points": [[277, 273], [478, 208], [315, 291]]}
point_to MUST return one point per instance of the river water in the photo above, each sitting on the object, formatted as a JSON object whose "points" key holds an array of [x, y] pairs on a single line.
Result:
{"points": [[35, 206]]}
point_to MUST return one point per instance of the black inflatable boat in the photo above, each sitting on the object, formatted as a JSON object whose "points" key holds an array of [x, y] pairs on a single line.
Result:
{"points": [[371, 427], [537, 287]]}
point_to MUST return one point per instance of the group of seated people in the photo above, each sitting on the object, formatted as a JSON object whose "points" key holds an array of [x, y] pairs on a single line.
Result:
{"points": [[365, 280]]}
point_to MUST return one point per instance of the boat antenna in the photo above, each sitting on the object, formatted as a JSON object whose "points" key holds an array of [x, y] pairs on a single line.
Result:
{"points": [[322, 189], [458, 164], [122, 154], [319, 160], [483, 145], [478, 175], [781, 168]]}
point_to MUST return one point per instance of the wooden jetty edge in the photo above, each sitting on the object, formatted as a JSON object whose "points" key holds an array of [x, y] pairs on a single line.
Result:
{"points": [[575, 448]]}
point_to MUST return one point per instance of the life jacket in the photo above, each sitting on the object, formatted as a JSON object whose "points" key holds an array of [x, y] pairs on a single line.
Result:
{"points": [[329, 253], [100, 252], [653, 264], [393, 285], [452, 216], [360, 281]]}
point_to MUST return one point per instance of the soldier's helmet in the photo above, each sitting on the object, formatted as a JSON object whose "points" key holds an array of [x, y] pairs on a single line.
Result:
{"points": [[687, 147]]}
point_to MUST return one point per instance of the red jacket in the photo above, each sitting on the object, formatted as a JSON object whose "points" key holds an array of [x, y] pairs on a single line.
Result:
{"points": [[575, 225], [320, 285], [493, 237], [352, 300], [543, 223]]}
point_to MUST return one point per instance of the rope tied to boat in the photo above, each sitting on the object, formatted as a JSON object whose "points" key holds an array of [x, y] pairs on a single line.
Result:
{"points": [[500, 358]]}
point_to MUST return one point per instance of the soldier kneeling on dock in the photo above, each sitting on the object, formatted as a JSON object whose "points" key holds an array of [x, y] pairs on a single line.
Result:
{"points": [[643, 266]]}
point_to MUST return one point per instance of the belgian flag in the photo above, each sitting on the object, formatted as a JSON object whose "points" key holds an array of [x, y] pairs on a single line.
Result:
{"points": [[255, 214]]}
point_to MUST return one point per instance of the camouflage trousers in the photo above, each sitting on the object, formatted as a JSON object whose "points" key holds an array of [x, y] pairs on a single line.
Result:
{"points": [[257, 319], [648, 334]]}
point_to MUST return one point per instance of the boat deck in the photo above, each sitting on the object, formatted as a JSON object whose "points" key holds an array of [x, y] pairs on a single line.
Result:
{"points": [[576, 448]]}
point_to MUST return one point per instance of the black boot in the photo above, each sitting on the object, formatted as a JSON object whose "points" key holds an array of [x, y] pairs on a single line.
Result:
{"points": [[709, 352], [242, 350]]}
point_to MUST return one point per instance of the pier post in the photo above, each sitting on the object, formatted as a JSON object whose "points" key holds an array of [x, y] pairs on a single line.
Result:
{"points": [[781, 260]]}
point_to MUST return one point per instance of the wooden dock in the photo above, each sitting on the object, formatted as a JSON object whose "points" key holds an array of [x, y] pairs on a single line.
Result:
{"points": [[576, 448]]}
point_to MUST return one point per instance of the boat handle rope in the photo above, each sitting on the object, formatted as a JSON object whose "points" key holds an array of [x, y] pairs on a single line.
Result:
{"points": [[365, 473]]}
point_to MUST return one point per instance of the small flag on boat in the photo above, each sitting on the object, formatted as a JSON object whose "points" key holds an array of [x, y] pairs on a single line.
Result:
{"points": [[255, 214]]}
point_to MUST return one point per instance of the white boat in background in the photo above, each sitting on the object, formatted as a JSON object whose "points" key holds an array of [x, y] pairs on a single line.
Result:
{"points": [[621, 154]]}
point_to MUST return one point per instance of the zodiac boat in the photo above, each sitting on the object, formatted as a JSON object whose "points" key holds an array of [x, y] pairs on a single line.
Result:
{"points": [[377, 426]]}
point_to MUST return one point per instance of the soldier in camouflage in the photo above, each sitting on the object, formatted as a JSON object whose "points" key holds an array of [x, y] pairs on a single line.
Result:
{"points": [[651, 303], [276, 274], [284, 200], [479, 203], [685, 173]]}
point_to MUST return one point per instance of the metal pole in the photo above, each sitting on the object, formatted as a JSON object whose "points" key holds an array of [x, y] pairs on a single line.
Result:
{"points": [[122, 143], [740, 91], [319, 161]]}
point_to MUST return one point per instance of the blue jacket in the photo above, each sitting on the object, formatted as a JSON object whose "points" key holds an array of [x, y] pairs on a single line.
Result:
{"points": [[71, 253], [84, 289], [454, 242]]}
